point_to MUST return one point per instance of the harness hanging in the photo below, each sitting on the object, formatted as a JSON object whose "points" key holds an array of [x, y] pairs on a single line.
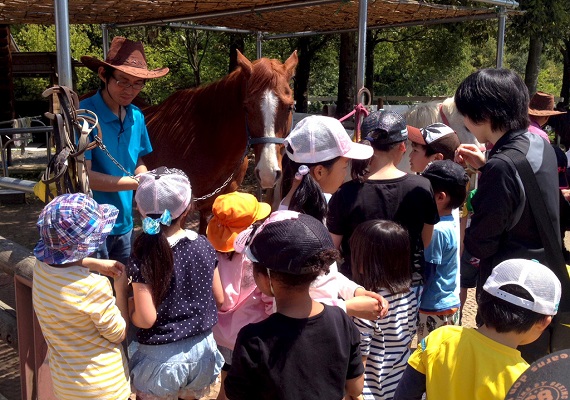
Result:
{"points": [[66, 172]]}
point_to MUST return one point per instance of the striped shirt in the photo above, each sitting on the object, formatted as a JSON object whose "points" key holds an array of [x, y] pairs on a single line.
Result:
{"points": [[386, 343], [79, 320]]}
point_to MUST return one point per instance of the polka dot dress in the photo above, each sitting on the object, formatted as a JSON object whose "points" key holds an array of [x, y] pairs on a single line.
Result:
{"points": [[189, 307]]}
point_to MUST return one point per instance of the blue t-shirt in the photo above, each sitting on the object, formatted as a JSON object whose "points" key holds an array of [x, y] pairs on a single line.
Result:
{"points": [[441, 288], [126, 143], [189, 307]]}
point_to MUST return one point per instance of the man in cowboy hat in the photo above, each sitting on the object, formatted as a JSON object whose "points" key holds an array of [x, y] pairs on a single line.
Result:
{"points": [[123, 74], [540, 108]]}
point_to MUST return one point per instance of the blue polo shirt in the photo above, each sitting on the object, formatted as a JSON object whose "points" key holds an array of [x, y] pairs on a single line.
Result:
{"points": [[126, 144]]}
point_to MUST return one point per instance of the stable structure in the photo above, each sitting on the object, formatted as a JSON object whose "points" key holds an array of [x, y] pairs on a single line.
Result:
{"points": [[259, 16]]}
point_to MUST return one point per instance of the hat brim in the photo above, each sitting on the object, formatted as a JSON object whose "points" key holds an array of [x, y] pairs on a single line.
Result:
{"points": [[93, 64], [359, 151], [415, 135], [75, 252], [544, 113], [223, 237]]}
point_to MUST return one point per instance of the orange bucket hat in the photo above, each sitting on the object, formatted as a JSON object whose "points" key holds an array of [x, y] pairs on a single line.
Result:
{"points": [[126, 56], [233, 213]]}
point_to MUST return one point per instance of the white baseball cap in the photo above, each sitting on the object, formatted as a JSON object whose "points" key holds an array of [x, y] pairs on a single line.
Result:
{"points": [[537, 279], [317, 138]]}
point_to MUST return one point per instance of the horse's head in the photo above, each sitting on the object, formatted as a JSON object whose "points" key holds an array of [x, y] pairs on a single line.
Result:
{"points": [[269, 107]]}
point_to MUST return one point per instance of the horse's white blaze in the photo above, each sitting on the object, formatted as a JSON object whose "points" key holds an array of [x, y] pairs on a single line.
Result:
{"points": [[268, 165]]}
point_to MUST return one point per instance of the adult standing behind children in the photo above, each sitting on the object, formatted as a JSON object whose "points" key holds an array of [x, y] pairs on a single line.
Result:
{"points": [[82, 322], [440, 303], [382, 191], [517, 303], [123, 74], [171, 271], [306, 350], [494, 104], [540, 109]]}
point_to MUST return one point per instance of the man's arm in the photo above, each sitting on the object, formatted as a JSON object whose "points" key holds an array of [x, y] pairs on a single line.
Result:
{"points": [[109, 183]]}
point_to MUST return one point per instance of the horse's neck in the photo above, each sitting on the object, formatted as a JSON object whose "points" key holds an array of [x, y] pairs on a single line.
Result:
{"points": [[229, 91]]}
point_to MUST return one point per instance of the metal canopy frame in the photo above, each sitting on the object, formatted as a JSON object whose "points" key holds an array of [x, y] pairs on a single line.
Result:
{"points": [[64, 53]]}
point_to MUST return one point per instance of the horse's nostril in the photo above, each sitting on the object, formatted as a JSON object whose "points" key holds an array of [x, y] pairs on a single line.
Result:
{"points": [[277, 175]]}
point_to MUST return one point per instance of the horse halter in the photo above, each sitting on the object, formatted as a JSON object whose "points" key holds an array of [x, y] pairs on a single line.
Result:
{"points": [[259, 140]]}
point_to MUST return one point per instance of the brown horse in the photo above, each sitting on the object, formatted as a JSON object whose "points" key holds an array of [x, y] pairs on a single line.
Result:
{"points": [[206, 132]]}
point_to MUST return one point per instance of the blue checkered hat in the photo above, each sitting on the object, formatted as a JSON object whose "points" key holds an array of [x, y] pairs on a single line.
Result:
{"points": [[72, 227]]}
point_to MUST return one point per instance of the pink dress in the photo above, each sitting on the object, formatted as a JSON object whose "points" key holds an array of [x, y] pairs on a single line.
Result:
{"points": [[243, 301]]}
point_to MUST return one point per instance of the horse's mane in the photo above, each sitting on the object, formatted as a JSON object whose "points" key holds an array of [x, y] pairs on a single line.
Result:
{"points": [[423, 114]]}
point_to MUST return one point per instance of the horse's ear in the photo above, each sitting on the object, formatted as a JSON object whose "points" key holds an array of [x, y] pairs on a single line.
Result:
{"points": [[244, 63], [291, 63]]}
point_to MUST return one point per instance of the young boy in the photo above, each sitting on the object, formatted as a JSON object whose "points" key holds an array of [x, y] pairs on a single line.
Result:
{"points": [[83, 324], [306, 350], [440, 301], [434, 142], [517, 303]]}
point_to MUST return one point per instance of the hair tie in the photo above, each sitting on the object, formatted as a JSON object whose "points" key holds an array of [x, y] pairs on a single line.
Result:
{"points": [[301, 172], [152, 226]]}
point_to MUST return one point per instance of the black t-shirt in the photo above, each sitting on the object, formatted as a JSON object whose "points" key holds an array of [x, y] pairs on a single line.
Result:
{"points": [[284, 358], [407, 200]]}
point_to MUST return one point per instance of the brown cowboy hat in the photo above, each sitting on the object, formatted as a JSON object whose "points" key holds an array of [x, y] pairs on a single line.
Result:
{"points": [[542, 105], [126, 56]]}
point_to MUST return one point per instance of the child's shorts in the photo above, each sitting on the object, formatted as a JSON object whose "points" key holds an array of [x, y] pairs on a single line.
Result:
{"points": [[227, 353], [187, 367], [429, 322]]}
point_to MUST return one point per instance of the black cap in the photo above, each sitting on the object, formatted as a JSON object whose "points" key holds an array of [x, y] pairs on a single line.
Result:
{"points": [[546, 378], [286, 240], [384, 127], [446, 171]]}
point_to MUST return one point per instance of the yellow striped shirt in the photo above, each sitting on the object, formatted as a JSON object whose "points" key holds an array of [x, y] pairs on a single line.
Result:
{"points": [[79, 319]]}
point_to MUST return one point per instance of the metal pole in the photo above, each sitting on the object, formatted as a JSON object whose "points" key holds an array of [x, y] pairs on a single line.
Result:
{"points": [[105, 33], [362, 19], [62, 43], [258, 42], [501, 36]]}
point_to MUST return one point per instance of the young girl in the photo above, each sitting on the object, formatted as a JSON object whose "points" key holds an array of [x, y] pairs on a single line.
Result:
{"points": [[171, 270], [380, 262], [318, 152], [243, 302]]}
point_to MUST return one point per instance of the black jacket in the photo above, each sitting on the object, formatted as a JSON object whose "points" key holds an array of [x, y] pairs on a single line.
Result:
{"points": [[502, 225]]}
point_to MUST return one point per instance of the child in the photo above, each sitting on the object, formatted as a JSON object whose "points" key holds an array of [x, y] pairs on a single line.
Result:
{"points": [[440, 303], [306, 350], [381, 263], [434, 142], [318, 152], [243, 302], [171, 270], [81, 321], [516, 304], [381, 191]]}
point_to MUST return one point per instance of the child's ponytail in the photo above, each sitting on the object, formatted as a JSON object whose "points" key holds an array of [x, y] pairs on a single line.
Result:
{"points": [[152, 252]]}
